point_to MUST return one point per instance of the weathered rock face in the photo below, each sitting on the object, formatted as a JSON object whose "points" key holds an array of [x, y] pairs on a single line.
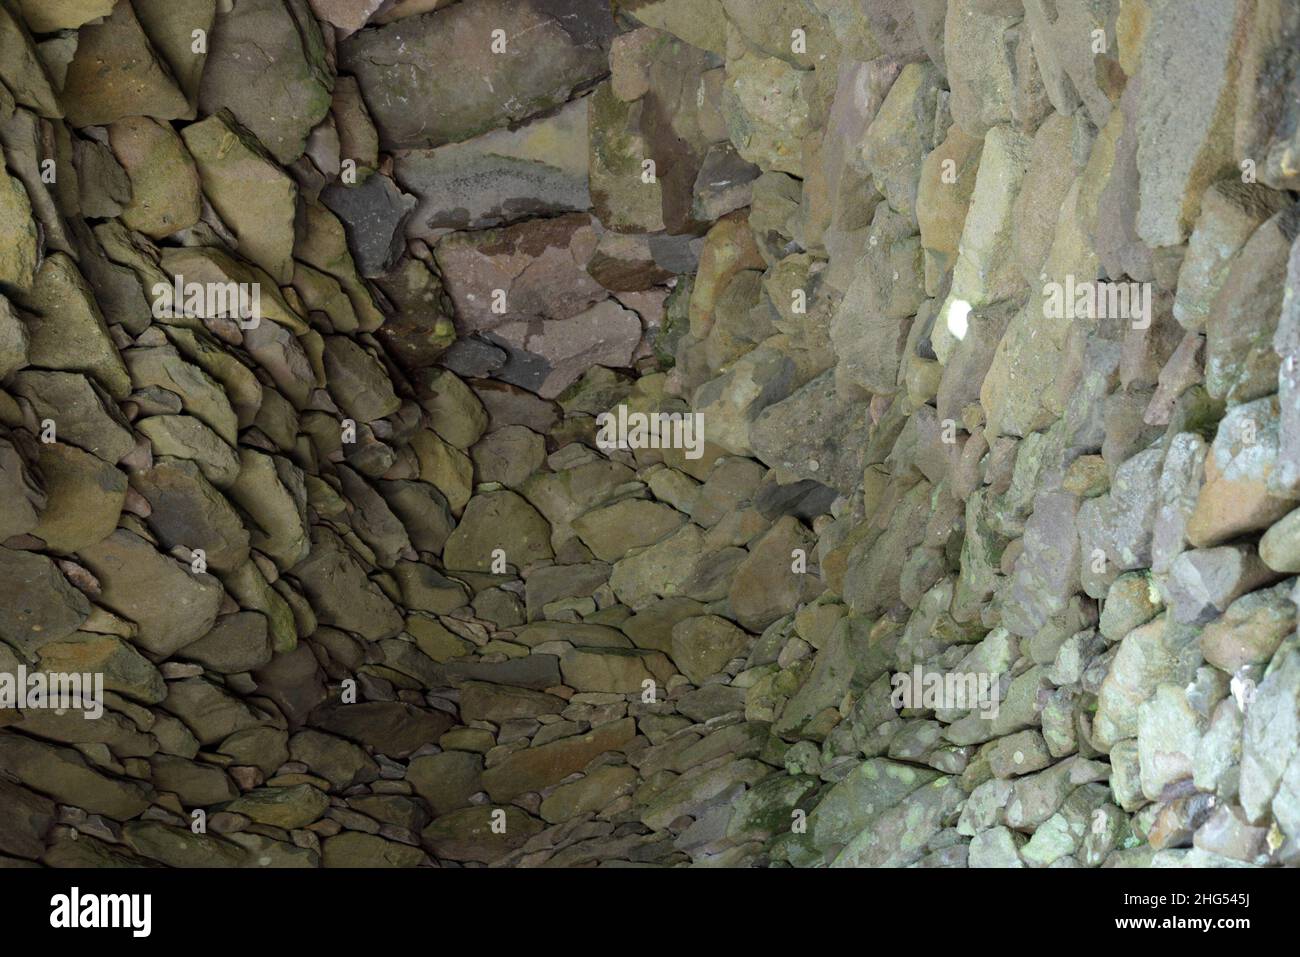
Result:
{"points": [[267, 65], [556, 433], [449, 75]]}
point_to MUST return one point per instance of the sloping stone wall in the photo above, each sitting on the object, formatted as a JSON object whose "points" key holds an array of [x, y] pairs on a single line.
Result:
{"points": [[981, 312]]}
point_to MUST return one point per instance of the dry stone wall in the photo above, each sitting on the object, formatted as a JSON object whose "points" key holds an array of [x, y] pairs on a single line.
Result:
{"points": [[973, 541]]}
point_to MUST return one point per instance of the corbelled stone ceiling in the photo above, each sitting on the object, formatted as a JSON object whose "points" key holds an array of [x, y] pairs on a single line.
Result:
{"points": [[558, 433]]}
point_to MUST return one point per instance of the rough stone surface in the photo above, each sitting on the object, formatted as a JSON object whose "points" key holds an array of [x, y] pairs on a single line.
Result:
{"points": [[452, 85], [662, 424]]}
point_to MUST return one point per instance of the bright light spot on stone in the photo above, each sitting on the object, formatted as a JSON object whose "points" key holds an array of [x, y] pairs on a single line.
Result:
{"points": [[957, 314]]}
